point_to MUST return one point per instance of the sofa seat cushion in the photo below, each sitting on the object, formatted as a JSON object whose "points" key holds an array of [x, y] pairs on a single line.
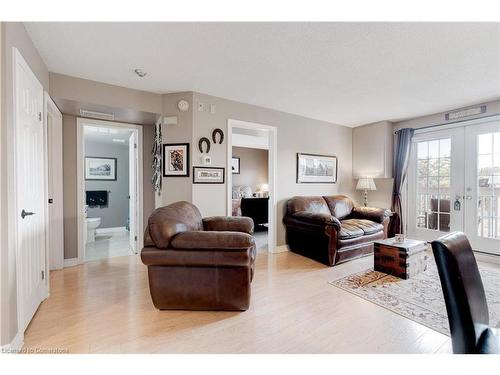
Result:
{"points": [[349, 230], [366, 226]]}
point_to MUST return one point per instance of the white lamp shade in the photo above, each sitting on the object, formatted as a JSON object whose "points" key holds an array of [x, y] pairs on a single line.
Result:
{"points": [[366, 184], [264, 188]]}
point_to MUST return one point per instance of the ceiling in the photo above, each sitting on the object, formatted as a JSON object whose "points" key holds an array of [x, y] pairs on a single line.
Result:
{"points": [[345, 73]]}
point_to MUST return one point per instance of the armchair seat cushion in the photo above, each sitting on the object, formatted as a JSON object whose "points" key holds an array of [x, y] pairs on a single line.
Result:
{"points": [[197, 258], [213, 240]]}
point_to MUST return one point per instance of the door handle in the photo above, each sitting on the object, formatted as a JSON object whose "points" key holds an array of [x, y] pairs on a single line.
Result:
{"points": [[26, 213]]}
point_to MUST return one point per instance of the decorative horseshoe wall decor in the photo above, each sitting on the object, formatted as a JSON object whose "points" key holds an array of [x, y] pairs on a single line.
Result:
{"points": [[214, 136], [200, 144]]}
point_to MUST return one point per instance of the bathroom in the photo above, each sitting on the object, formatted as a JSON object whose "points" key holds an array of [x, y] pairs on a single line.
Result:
{"points": [[108, 183]]}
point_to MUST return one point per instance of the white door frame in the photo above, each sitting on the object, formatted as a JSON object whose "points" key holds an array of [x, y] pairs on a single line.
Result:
{"points": [[55, 239], [80, 172], [272, 164], [13, 205]]}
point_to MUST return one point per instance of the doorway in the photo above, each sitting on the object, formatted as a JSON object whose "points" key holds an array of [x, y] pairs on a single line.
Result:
{"points": [[251, 182], [454, 184], [109, 189]]}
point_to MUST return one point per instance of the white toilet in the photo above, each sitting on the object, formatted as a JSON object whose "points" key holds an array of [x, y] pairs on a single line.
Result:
{"points": [[92, 224]]}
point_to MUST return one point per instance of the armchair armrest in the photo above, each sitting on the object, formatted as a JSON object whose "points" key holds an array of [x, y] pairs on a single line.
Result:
{"points": [[371, 213], [229, 224], [316, 218]]}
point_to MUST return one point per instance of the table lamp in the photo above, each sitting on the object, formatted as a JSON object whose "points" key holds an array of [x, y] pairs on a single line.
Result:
{"points": [[366, 184]]}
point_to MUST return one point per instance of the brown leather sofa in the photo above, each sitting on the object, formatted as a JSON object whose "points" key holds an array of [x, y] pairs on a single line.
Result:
{"points": [[331, 229], [198, 264]]}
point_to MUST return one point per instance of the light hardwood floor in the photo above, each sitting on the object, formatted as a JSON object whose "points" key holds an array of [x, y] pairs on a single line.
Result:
{"points": [[105, 307]]}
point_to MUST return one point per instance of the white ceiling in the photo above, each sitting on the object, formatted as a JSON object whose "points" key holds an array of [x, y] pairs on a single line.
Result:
{"points": [[345, 73]]}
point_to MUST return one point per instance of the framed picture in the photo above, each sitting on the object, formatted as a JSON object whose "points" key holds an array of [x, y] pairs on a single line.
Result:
{"points": [[176, 160], [235, 165], [100, 169], [316, 168], [208, 175]]}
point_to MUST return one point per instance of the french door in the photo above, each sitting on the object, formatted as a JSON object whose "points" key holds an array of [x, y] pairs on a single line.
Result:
{"points": [[482, 186], [454, 185]]}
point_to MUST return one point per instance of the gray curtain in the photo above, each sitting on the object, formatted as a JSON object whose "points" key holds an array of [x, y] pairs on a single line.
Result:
{"points": [[400, 168]]}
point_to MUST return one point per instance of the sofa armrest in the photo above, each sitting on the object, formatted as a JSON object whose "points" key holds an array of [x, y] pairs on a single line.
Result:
{"points": [[316, 218], [371, 213], [229, 224], [204, 240]]}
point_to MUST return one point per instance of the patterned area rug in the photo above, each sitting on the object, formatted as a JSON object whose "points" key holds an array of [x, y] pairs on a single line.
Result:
{"points": [[419, 298]]}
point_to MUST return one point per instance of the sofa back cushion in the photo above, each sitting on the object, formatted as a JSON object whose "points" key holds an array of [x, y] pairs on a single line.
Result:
{"points": [[166, 222], [340, 205], [315, 205]]}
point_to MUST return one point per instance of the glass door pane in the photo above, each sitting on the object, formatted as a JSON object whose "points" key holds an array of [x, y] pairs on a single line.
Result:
{"points": [[436, 160], [483, 187]]}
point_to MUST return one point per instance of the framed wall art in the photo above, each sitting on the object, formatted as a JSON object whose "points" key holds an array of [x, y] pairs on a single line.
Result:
{"points": [[235, 165], [176, 159], [100, 169], [313, 168], [208, 175]]}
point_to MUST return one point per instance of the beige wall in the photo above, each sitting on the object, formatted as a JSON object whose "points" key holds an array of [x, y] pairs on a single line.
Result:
{"points": [[178, 188], [294, 133], [87, 91], [254, 169], [492, 108], [13, 35]]}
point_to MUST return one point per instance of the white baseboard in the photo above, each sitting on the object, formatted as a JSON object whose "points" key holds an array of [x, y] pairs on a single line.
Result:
{"points": [[110, 230], [15, 345], [70, 262], [279, 249], [487, 258]]}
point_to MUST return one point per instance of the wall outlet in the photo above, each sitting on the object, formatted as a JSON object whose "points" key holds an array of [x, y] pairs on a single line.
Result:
{"points": [[200, 106]]}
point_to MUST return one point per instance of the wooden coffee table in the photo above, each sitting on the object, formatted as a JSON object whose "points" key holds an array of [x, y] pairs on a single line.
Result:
{"points": [[401, 259]]}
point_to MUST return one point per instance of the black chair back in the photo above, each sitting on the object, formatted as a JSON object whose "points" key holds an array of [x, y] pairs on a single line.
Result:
{"points": [[463, 291]]}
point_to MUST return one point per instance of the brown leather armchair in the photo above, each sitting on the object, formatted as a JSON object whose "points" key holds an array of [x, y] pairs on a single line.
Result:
{"points": [[331, 229], [198, 264]]}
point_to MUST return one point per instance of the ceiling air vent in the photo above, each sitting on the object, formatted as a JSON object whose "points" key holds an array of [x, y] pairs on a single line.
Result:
{"points": [[98, 115]]}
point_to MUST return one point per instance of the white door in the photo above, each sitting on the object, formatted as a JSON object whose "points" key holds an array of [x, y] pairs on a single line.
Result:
{"points": [[482, 186], [133, 160], [30, 186], [435, 184], [55, 240]]}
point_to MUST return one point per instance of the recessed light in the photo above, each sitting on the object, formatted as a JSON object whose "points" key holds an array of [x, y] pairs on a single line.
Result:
{"points": [[141, 73]]}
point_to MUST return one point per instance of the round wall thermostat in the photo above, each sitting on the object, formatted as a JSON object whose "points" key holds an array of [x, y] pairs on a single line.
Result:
{"points": [[183, 105]]}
